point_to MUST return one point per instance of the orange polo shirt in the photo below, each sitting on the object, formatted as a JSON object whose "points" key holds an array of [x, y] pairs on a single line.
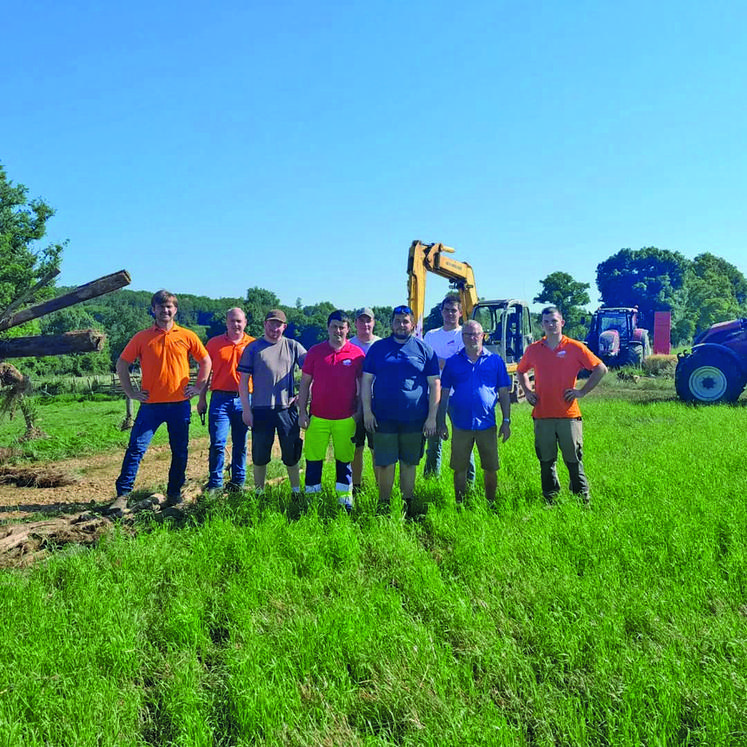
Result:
{"points": [[226, 355], [554, 372], [164, 360]]}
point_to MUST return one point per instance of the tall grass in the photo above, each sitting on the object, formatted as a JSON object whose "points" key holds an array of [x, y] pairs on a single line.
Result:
{"points": [[623, 624]]}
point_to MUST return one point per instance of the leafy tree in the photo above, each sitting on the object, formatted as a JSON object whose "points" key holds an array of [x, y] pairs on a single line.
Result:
{"points": [[650, 278], [22, 225], [570, 296], [383, 316], [717, 291], [308, 325], [258, 302]]}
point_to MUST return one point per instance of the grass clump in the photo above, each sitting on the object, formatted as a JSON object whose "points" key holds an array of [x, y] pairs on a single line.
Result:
{"points": [[623, 624]]}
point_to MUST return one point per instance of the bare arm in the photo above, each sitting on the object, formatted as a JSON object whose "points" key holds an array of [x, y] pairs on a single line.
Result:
{"points": [[366, 398], [527, 387], [597, 373], [123, 372], [203, 373], [202, 401], [443, 406], [246, 406], [434, 395], [303, 400]]}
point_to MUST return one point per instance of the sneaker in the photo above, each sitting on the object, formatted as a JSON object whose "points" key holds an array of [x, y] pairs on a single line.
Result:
{"points": [[234, 487], [118, 508]]}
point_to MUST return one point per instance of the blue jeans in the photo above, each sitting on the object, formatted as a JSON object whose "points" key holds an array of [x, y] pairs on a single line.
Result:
{"points": [[149, 417], [226, 411], [433, 459]]}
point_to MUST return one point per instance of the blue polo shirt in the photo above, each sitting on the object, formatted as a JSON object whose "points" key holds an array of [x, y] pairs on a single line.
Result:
{"points": [[474, 389], [400, 389]]}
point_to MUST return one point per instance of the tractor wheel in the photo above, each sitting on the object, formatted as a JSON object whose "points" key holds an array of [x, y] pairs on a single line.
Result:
{"points": [[634, 355], [708, 378]]}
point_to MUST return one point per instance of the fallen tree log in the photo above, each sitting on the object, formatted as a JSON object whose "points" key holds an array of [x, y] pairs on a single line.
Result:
{"points": [[95, 288], [80, 341]]}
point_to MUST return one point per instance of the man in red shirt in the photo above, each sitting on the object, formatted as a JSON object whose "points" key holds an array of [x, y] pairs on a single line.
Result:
{"points": [[225, 403], [557, 360], [331, 373], [164, 351]]}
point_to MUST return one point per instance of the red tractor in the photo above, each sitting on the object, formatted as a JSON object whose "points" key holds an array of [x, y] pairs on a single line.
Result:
{"points": [[716, 368], [614, 335]]}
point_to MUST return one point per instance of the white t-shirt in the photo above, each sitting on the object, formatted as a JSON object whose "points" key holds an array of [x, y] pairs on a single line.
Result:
{"points": [[364, 346], [445, 343]]}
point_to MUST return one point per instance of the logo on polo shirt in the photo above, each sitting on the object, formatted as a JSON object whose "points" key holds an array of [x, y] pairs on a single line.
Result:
{"points": [[560, 354], [347, 362]]}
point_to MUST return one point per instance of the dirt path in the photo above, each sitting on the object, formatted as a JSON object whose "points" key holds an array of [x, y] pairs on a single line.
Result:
{"points": [[93, 485]]}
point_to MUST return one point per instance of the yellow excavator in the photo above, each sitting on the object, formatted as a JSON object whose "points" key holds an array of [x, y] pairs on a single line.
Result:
{"points": [[506, 323]]}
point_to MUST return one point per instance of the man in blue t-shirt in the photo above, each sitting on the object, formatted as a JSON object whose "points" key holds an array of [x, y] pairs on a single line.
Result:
{"points": [[400, 389], [478, 380]]}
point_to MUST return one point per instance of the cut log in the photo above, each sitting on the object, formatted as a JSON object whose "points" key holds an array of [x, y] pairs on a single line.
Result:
{"points": [[95, 288], [81, 341], [29, 294]]}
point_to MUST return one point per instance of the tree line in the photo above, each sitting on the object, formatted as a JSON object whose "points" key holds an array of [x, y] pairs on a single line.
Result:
{"points": [[697, 292]]}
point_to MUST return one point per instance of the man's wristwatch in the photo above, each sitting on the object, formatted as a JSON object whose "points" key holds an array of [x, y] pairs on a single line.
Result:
{"points": [[506, 420]]}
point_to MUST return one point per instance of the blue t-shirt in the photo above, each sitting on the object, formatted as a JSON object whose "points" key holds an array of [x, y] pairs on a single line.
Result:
{"points": [[474, 389], [400, 390]]}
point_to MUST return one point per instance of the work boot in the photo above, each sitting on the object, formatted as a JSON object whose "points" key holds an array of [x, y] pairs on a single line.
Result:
{"points": [[174, 501], [118, 508]]}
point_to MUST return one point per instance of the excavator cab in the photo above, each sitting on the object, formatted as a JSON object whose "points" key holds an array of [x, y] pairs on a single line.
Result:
{"points": [[507, 326]]}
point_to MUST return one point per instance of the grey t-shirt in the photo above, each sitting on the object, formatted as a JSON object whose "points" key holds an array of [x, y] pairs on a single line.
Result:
{"points": [[271, 366]]}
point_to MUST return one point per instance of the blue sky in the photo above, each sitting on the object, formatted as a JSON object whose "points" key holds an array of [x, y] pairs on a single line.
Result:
{"points": [[302, 146]]}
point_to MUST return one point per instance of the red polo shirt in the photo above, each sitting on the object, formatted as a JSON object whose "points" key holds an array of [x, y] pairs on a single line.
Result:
{"points": [[334, 375]]}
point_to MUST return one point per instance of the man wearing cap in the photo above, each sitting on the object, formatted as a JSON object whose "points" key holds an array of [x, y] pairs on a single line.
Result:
{"points": [[225, 404], [472, 383], [164, 351], [331, 374], [364, 338], [271, 361], [400, 391]]}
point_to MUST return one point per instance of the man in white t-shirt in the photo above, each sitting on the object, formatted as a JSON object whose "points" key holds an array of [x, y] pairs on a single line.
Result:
{"points": [[445, 341], [363, 338]]}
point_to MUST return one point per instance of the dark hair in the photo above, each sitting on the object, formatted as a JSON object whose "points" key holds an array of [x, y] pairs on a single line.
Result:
{"points": [[163, 296], [338, 316], [551, 310], [451, 298]]}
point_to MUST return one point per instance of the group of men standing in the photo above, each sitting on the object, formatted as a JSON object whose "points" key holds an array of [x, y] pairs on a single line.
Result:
{"points": [[394, 393]]}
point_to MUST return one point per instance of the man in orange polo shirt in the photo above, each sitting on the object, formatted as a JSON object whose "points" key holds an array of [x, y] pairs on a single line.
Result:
{"points": [[557, 360], [164, 351], [225, 404]]}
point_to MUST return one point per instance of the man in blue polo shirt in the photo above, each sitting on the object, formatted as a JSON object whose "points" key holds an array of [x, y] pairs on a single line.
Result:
{"points": [[400, 391], [478, 380]]}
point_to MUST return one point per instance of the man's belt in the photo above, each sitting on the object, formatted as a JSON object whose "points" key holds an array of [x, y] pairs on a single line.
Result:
{"points": [[225, 391]]}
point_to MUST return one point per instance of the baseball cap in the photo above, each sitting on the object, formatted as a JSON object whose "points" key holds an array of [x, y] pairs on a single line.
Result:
{"points": [[364, 312], [276, 314]]}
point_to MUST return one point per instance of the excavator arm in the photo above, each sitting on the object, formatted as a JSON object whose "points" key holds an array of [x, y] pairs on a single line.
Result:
{"points": [[425, 258]]}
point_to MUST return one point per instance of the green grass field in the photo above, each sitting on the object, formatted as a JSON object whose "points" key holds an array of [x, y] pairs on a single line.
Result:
{"points": [[625, 624]]}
